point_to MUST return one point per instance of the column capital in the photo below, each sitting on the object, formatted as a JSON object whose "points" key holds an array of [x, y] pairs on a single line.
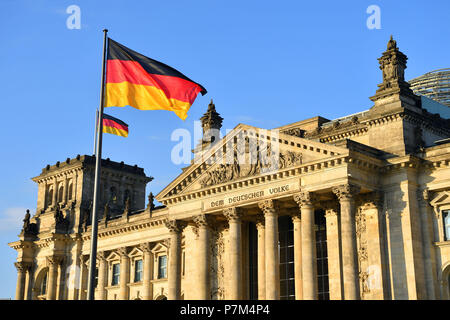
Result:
{"points": [[233, 214], [296, 217], [22, 266], [268, 206], [101, 255], [331, 207], [145, 247], [203, 220], [54, 260], [260, 221], [122, 252], [305, 198], [346, 191], [175, 226]]}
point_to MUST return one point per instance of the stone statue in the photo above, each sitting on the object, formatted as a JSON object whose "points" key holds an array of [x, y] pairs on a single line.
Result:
{"points": [[26, 221], [151, 204]]}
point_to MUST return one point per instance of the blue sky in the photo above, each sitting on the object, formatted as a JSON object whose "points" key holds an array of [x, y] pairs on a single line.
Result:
{"points": [[265, 63]]}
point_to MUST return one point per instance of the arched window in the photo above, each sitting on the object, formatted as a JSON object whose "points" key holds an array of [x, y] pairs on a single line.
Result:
{"points": [[69, 195], [61, 194], [50, 196], [43, 287]]}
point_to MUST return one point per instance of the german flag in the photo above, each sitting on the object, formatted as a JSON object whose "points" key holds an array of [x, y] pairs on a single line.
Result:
{"points": [[114, 126], [146, 84]]}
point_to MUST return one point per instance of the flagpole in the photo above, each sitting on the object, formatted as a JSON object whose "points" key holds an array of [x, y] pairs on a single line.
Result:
{"points": [[98, 158], [95, 133]]}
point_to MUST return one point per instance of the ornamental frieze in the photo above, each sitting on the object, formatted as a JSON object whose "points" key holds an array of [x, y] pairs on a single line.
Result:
{"points": [[258, 162]]}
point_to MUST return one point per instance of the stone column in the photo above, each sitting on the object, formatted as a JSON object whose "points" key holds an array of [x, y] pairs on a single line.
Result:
{"points": [[174, 268], [333, 249], [148, 271], [260, 226], [309, 255], [426, 221], [52, 263], [296, 220], [66, 187], [102, 276], [203, 223], [22, 269], [234, 217], [346, 193], [55, 194], [124, 273], [60, 282], [271, 249], [83, 278]]}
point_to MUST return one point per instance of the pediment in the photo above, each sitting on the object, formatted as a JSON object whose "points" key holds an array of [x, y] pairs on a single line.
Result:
{"points": [[159, 247], [244, 152], [441, 197], [136, 252]]}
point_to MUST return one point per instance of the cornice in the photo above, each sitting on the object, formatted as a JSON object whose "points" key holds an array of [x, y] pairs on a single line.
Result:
{"points": [[307, 168], [104, 232]]}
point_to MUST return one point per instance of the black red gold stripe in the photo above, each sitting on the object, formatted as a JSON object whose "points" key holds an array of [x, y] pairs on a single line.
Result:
{"points": [[114, 126], [146, 84]]}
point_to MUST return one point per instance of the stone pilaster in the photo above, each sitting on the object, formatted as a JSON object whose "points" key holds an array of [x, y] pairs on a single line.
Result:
{"points": [[53, 262], [270, 210], [306, 200], [261, 227], [102, 276], [345, 194], [22, 270], [297, 222], [124, 273], [174, 268], [234, 217], [83, 278], [333, 248], [203, 223], [426, 221], [148, 271]]}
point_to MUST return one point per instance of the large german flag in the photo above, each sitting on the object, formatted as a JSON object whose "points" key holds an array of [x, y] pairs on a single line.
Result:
{"points": [[146, 84], [114, 126]]}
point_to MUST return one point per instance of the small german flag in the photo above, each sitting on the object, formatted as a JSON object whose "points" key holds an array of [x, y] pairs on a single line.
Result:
{"points": [[114, 126], [146, 84]]}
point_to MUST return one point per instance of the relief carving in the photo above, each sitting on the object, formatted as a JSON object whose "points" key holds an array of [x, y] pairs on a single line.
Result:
{"points": [[257, 164]]}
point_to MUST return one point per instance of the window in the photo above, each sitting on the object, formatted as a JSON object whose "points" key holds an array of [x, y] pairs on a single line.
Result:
{"points": [[286, 251], [43, 288], [115, 274], [162, 267], [113, 194], [446, 216], [69, 195], [96, 277], [138, 265], [50, 197], [322, 255], [253, 261], [61, 194]]}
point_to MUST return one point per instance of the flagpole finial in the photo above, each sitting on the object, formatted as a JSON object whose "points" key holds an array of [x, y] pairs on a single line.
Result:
{"points": [[105, 30]]}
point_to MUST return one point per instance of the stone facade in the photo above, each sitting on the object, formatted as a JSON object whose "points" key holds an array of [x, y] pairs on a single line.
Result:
{"points": [[356, 208]]}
